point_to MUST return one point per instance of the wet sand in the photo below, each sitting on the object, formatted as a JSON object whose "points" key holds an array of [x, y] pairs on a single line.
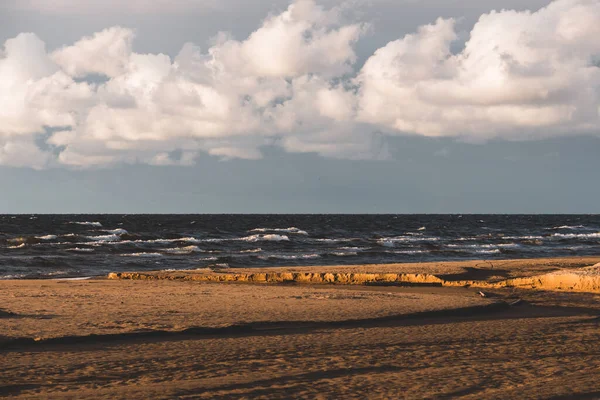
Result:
{"points": [[177, 338]]}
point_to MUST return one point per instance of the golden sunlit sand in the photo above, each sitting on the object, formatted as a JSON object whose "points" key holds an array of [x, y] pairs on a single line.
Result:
{"points": [[475, 329]]}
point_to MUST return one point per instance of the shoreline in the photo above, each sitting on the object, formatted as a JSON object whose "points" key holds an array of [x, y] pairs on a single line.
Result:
{"points": [[438, 267]]}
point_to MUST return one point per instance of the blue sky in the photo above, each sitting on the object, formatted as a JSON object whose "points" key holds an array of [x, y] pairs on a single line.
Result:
{"points": [[375, 107]]}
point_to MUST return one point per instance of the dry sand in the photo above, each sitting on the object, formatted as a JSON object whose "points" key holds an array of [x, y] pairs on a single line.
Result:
{"points": [[178, 338]]}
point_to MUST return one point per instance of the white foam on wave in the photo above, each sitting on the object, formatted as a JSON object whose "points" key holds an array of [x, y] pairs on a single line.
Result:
{"points": [[267, 237], [80, 250], [577, 235], [104, 238], [207, 259], [391, 241], [46, 237], [87, 223], [12, 276], [338, 240], [118, 231], [183, 250], [344, 253], [421, 228], [293, 229], [116, 240], [484, 246], [407, 251], [567, 227], [18, 246], [527, 237], [493, 251], [290, 257], [142, 255], [258, 250]]}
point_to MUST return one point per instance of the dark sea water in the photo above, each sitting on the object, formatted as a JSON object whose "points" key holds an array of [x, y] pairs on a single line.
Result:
{"points": [[53, 246]]}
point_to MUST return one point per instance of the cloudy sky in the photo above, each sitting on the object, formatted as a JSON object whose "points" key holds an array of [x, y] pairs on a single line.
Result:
{"points": [[375, 106]]}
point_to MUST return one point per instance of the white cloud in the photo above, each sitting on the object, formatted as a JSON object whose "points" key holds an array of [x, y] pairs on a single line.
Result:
{"points": [[521, 74], [106, 53], [291, 83]]}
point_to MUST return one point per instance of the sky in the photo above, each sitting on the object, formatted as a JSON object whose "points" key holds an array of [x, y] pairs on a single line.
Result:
{"points": [[363, 106]]}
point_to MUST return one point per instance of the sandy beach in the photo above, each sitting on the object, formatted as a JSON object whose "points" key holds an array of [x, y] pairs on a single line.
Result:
{"points": [[369, 331]]}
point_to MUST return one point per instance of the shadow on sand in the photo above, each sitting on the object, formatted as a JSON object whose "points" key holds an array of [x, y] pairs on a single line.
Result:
{"points": [[495, 311]]}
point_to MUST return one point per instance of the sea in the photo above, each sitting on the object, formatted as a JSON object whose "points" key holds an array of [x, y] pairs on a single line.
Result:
{"points": [[72, 246]]}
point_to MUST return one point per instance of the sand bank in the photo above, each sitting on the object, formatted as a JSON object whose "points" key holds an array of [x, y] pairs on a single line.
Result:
{"points": [[566, 274]]}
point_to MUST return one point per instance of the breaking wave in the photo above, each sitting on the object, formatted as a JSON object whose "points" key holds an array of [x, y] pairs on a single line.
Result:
{"points": [[577, 235], [46, 237], [87, 223], [183, 250], [567, 227], [268, 237], [104, 238], [81, 250], [293, 229], [142, 254], [289, 257]]}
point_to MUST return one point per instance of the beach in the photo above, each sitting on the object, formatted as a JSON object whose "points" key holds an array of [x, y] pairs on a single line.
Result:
{"points": [[472, 329]]}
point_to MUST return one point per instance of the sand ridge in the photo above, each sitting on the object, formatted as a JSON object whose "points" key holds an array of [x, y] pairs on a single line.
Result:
{"points": [[566, 274]]}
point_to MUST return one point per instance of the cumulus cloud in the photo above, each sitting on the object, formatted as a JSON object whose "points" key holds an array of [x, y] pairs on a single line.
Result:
{"points": [[520, 74], [294, 83]]}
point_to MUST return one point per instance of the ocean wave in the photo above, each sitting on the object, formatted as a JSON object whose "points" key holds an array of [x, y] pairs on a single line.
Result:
{"points": [[116, 240], [389, 241], [526, 237], [422, 228], [18, 246], [46, 237], [336, 240], [566, 227], [258, 250], [143, 254], [484, 246], [289, 257], [104, 238], [407, 251], [493, 251], [267, 237], [293, 229], [207, 259], [118, 231], [183, 250], [343, 253], [12, 276], [577, 235], [87, 223], [80, 250]]}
